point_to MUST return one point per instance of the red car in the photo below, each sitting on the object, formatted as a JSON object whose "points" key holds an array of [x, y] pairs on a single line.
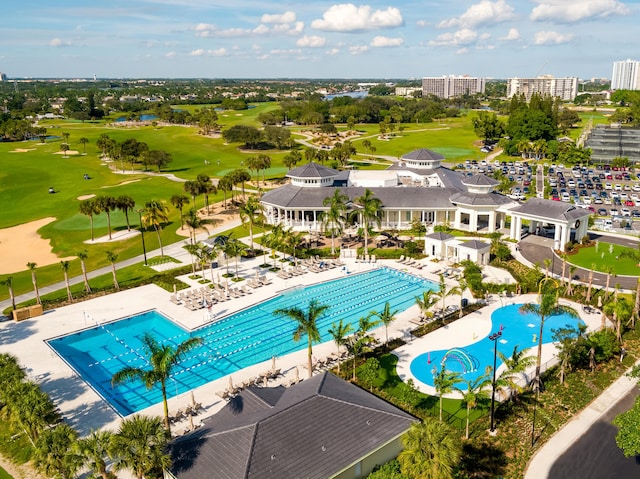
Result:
{"points": [[629, 203]]}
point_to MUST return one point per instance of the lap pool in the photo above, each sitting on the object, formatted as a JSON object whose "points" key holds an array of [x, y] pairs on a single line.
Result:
{"points": [[471, 361], [232, 343]]}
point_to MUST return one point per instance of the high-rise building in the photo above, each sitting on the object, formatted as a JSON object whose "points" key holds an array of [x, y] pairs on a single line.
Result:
{"points": [[452, 86], [564, 88], [626, 75], [3, 76]]}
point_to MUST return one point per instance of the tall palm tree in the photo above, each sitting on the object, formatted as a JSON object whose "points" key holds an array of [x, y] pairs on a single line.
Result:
{"points": [[547, 306], [386, 317], [113, 257], [29, 409], [234, 248], [443, 292], [89, 208], [463, 285], [106, 204], [334, 217], [593, 267], [339, 332], [155, 214], [515, 366], [96, 450], [369, 206], [125, 203], [194, 222], [193, 250], [307, 323], [54, 452], [444, 382], [163, 359], [83, 141], [428, 300], [179, 202], [194, 189], [8, 282], [65, 270], [431, 451], [32, 267], [474, 389], [140, 445], [82, 256], [249, 213]]}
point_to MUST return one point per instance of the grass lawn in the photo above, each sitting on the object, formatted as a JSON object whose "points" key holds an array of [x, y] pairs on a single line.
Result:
{"points": [[4, 474], [606, 254]]}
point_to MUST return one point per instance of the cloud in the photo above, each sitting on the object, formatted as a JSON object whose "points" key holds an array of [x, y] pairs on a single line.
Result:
{"points": [[513, 34], [333, 51], [170, 55], [347, 17], [483, 13], [286, 17], [57, 42], [551, 38], [358, 49], [386, 42], [459, 38], [570, 11], [422, 23], [207, 30], [311, 41], [220, 52]]}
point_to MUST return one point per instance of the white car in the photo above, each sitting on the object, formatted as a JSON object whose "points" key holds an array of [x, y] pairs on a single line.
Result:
{"points": [[608, 186], [636, 187], [614, 212], [626, 212], [618, 187]]}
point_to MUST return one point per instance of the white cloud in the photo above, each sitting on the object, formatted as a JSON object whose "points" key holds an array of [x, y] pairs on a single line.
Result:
{"points": [[207, 30], [483, 13], [461, 37], [569, 11], [422, 23], [386, 42], [311, 41], [197, 53], [462, 51], [358, 49], [513, 34], [286, 17], [58, 42], [220, 52], [170, 55], [333, 51], [551, 38], [291, 51], [347, 17]]}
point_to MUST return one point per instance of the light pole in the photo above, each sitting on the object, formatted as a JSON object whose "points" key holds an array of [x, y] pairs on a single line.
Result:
{"points": [[494, 338], [144, 249]]}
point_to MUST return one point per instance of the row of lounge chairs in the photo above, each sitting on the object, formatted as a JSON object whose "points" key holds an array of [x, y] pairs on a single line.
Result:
{"points": [[365, 258], [190, 410], [260, 380], [410, 262]]}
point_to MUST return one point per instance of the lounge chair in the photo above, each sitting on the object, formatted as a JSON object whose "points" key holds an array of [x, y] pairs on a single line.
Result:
{"points": [[174, 299], [373, 258], [401, 259]]}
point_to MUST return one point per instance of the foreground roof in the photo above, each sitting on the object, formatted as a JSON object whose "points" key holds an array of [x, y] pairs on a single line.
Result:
{"points": [[549, 209], [311, 430], [312, 170]]}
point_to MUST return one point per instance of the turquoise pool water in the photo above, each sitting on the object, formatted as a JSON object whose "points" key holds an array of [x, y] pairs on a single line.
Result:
{"points": [[230, 344], [472, 360]]}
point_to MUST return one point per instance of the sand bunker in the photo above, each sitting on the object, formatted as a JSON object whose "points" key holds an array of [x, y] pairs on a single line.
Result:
{"points": [[22, 244], [120, 184], [85, 197], [68, 152], [22, 150]]}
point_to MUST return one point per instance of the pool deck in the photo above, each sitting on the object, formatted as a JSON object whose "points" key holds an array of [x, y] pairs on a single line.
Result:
{"points": [[85, 410]]}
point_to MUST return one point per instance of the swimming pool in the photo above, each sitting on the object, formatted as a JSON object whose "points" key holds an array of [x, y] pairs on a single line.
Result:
{"points": [[235, 342], [471, 361]]}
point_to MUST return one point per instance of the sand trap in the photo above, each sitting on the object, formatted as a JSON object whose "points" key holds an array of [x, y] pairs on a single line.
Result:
{"points": [[68, 152], [22, 150], [115, 236], [238, 114], [85, 197], [120, 184], [22, 244]]}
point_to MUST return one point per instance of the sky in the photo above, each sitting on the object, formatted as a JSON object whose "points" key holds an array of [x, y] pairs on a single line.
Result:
{"points": [[393, 39]]}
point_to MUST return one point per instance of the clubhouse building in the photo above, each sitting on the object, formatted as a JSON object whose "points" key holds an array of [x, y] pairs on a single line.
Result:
{"points": [[419, 188]]}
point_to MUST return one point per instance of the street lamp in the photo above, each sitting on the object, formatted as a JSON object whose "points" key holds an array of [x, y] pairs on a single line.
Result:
{"points": [[144, 249], [494, 338]]}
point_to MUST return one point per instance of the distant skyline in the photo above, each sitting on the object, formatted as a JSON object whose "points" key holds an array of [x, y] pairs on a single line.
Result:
{"points": [[316, 39]]}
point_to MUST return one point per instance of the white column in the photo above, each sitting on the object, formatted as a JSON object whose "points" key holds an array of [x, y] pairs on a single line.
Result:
{"points": [[492, 221], [457, 219], [512, 228], [518, 228], [503, 220], [473, 221], [566, 231], [557, 237]]}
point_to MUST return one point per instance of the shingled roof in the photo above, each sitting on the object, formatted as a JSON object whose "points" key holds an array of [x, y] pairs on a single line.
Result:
{"points": [[422, 154], [551, 210], [312, 170], [314, 429]]}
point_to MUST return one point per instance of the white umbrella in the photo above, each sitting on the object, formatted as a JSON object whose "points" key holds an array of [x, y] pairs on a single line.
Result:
{"points": [[404, 238], [193, 399], [191, 426], [230, 383], [296, 374], [599, 301], [273, 363]]}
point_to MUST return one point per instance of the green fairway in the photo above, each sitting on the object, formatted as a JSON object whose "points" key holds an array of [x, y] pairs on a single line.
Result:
{"points": [[605, 255], [4, 474]]}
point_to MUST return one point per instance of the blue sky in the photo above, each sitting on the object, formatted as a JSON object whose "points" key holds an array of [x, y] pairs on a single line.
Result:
{"points": [[316, 39]]}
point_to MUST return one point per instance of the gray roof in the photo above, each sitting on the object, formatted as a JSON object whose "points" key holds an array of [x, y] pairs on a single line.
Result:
{"points": [[475, 244], [487, 199], [552, 210], [480, 180], [440, 236], [312, 170], [423, 154], [311, 430], [449, 178]]}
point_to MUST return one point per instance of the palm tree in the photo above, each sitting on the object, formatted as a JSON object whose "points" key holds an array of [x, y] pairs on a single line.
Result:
{"points": [[431, 451], [106, 204], [194, 188], [95, 451], [515, 366], [32, 267], [249, 213], [140, 445], [386, 317], [155, 213], [179, 202], [474, 390], [444, 382], [547, 306], [8, 282], [339, 332], [54, 452], [125, 203], [113, 257], [193, 250], [547, 265], [463, 285], [89, 208], [29, 409], [234, 248], [194, 222], [593, 267], [65, 270], [306, 324], [443, 292], [334, 216], [82, 256], [369, 206], [83, 141], [426, 302], [163, 359]]}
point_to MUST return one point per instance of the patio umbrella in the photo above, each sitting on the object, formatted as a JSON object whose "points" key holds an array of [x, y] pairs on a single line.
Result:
{"points": [[230, 383], [218, 277], [296, 374], [404, 238], [380, 238], [175, 289], [273, 363], [599, 301], [193, 399], [191, 426]]}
